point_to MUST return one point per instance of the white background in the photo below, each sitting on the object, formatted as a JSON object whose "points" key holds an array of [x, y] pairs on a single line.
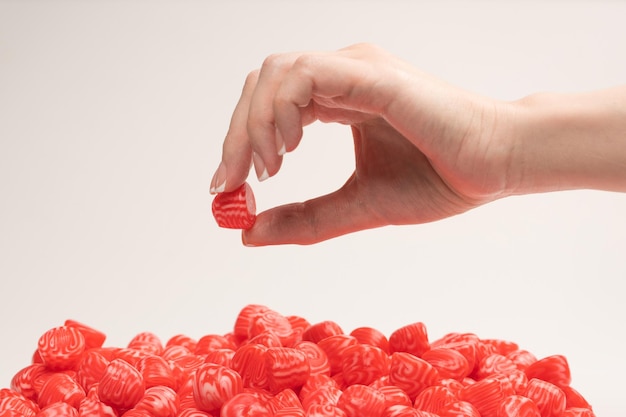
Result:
{"points": [[112, 116]]}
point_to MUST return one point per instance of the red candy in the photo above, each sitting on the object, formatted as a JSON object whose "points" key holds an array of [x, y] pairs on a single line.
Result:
{"points": [[61, 348], [553, 369], [121, 385], [93, 338], [214, 385], [549, 398], [363, 364], [236, 209], [283, 366], [518, 406], [60, 387], [286, 368], [58, 410], [411, 373], [361, 401], [159, 401], [412, 339]]}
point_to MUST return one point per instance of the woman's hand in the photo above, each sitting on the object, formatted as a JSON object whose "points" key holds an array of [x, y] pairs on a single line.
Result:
{"points": [[424, 150]]}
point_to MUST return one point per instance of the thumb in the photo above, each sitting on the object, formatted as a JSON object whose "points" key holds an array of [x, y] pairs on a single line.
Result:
{"points": [[313, 221]]}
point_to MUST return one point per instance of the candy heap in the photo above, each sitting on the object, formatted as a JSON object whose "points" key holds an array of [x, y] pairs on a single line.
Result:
{"points": [[284, 366]]}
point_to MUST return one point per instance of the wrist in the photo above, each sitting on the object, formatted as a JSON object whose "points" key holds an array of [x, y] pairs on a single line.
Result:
{"points": [[568, 141]]}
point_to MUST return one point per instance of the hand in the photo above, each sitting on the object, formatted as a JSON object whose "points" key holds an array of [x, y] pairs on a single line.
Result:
{"points": [[424, 150]]}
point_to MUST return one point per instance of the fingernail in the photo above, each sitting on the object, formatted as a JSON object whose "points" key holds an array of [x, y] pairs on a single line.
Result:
{"points": [[218, 183], [259, 166], [280, 143], [245, 242]]}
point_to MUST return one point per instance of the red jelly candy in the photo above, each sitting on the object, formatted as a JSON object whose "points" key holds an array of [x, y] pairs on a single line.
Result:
{"points": [[448, 362], [486, 395], [323, 395], [334, 347], [401, 410], [214, 385], [460, 409], [147, 342], [182, 340], [411, 373], [235, 209], [211, 342], [299, 326], [286, 398], [121, 385], [371, 336], [464, 343], [265, 338], [554, 369], [244, 318], [434, 399], [325, 410], [286, 368], [93, 338], [492, 364], [518, 406], [394, 396], [321, 330], [11, 400], [549, 398], [192, 412], [578, 412], [361, 401], [156, 371], [574, 398], [274, 322], [412, 339], [58, 410], [249, 362], [137, 413], [90, 369], [245, 404], [522, 358], [362, 364], [221, 357], [318, 360], [23, 382], [60, 387], [159, 401], [61, 348]]}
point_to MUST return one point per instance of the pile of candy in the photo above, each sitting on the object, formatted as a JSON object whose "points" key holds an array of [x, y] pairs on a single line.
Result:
{"points": [[277, 365]]}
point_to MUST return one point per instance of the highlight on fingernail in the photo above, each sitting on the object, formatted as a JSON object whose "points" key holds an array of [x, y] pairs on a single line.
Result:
{"points": [[280, 143], [218, 183], [260, 168]]}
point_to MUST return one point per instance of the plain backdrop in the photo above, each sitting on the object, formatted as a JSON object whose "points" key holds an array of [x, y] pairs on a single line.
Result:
{"points": [[112, 117]]}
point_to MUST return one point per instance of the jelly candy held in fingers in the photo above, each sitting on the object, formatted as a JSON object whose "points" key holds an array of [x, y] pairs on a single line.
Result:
{"points": [[235, 209]]}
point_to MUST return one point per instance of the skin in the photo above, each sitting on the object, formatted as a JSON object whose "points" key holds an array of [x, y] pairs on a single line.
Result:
{"points": [[424, 150]]}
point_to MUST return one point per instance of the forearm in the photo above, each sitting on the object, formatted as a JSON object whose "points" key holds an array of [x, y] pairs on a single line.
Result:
{"points": [[569, 141]]}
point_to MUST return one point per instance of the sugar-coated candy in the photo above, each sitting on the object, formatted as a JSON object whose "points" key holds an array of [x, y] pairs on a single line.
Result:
{"points": [[275, 365]]}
